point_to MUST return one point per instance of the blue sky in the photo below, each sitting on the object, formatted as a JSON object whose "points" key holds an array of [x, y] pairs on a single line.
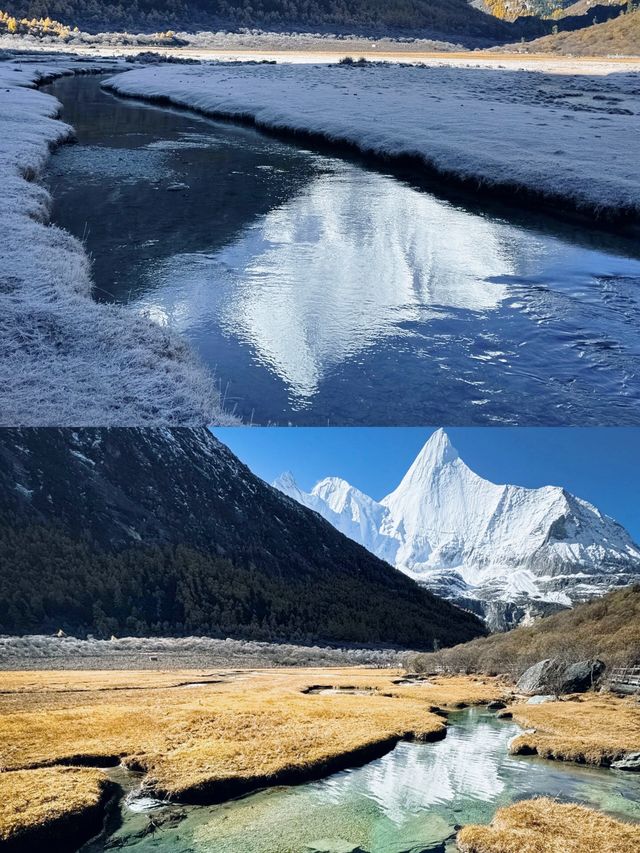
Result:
{"points": [[600, 465]]}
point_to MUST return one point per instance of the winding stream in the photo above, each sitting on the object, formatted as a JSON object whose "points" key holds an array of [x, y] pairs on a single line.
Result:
{"points": [[319, 289], [410, 801]]}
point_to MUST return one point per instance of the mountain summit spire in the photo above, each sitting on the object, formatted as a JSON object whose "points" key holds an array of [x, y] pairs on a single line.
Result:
{"points": [[507, 551], [436, 452], [416, 498]]}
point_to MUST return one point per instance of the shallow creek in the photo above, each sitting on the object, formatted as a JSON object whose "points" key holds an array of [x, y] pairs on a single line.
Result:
{"points": [[411, 800], [321, 290]]}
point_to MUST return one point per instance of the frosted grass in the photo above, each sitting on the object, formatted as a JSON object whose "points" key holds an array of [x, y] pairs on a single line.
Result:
{"points": [[64, 359]]}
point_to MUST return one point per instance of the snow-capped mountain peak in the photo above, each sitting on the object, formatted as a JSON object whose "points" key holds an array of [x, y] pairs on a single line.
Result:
{"points": [[482, 543], [437, 451], [286, 482], [336, 492], [341, 497]]}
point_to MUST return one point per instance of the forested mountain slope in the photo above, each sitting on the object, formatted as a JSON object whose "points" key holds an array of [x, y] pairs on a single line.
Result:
{"points": [[165, 532], [417, 17]]}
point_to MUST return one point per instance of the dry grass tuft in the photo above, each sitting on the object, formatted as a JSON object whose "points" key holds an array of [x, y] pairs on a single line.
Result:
{"points": [[592, 729], [545, 826], [42, 799]]}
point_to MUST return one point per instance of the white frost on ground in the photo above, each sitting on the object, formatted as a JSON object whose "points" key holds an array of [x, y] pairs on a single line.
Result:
{"points": [[47, 652], [65, 359], [572, 138], [313, 47]]}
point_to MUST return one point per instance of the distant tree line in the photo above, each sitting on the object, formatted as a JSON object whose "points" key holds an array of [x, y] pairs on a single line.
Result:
{"points": [[428, 18], [34, 26]]}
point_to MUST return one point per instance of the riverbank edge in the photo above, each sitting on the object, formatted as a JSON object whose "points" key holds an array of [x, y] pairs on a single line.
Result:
{"points": [[525, 744], [192, 385], [541, 823], [531, 742], [67, 832], [507, 191], [217, 791]]}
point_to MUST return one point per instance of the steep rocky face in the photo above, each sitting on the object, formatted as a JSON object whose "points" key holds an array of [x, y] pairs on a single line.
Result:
{"points": [[167, 532], [507, 552]]}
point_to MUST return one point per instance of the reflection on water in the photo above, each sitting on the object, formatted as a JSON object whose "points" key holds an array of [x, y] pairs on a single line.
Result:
{"points": [[412, 799], [321, 291], [318, 281]]}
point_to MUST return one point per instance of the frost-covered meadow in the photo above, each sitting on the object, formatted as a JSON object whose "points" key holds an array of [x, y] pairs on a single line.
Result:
{"points": [[64, 358], [565, 138], [570, 138], [47, 652]]}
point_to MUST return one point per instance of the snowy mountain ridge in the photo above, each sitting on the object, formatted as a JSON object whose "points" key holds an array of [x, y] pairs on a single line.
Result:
{"points": [[506, 551]]}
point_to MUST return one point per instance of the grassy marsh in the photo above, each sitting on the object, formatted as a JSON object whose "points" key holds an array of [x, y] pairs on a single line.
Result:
{"points": [[204, 736], [592, 728], [39, 805]]}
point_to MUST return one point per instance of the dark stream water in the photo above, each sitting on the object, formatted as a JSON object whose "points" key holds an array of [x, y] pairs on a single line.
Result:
{"points": [[323, 291], [410, 801]]}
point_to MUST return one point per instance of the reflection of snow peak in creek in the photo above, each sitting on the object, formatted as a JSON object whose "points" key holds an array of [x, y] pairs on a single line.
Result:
{"points": [[319, 279], [467, 764], [394, 308], [411, 799]]}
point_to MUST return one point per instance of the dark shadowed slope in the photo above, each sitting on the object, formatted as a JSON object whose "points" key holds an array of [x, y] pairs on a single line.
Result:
{"points": [[165, 532], [428, 18]]}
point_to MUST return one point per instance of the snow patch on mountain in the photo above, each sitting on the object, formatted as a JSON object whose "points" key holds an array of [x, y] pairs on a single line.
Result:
{"points": [[478, 542]]}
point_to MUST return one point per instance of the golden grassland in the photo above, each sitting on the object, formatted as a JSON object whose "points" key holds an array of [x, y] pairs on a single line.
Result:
{"points": [[545, 826], [207, 742], [595, 728], [48, 798], [203, 736], [618, 36]]}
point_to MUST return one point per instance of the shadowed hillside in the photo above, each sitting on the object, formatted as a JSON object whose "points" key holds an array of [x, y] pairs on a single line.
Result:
{"points": [[608, 628], [165, 532], [427, 18]]}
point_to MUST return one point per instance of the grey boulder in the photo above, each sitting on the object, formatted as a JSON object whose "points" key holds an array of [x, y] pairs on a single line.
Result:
{"points": [[534, 679], [581, 676], [553, 676]]}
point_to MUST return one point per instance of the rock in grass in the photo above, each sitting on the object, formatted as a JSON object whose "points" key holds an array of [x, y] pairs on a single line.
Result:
{"points": [[583, 675], [630, 761], [533, 679], [553, 676]]}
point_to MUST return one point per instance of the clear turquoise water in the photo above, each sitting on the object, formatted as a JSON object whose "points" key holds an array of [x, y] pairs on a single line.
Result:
{"points": [[411, 800]]}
